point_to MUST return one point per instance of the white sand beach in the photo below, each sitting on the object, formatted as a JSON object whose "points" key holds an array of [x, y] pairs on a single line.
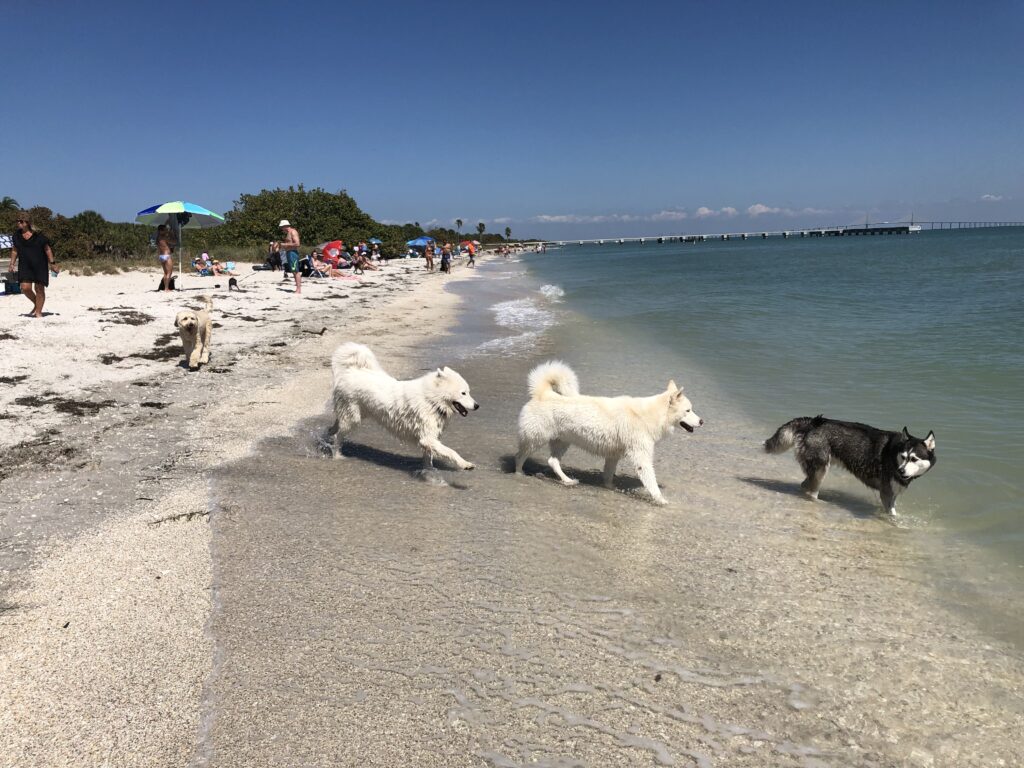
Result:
{"points": [[104, 539]]}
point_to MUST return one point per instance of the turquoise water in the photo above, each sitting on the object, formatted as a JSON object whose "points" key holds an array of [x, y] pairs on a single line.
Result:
{"points": [[923, 331]]}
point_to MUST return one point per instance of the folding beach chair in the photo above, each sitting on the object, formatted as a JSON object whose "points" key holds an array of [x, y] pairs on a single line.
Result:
{"points": [[310, 264]]}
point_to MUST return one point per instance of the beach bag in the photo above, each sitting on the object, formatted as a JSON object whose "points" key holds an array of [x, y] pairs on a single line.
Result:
{"points": [[160, 285]]}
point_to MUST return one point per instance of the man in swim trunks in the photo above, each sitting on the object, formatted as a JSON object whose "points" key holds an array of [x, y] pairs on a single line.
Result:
{"points": [[164, 252], [290, 246], [35, 260]]}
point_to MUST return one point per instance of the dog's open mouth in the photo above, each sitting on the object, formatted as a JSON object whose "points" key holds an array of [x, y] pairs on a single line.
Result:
{"points": [[460, 408], [686, 426]]}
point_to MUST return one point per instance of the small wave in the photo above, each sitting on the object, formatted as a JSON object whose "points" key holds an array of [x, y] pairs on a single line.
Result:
{"points": [[509, 344], [522, 315], [552, 292]]}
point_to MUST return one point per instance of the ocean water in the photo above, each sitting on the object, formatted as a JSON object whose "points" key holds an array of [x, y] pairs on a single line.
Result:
{"points": [[923, 331]]}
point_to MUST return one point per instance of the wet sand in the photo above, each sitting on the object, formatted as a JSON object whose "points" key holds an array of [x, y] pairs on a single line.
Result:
{"points": [[368, 616], [362, 614]]}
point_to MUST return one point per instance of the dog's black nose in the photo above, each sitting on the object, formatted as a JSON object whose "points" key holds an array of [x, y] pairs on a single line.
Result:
{"points": [[476, 406], [700, 422]]}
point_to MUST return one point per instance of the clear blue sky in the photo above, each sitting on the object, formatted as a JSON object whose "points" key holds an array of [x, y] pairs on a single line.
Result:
{"points": [[557, 119]]}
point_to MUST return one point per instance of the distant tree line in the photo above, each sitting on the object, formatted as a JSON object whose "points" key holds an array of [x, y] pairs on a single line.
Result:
{"points": [[319, 215]]}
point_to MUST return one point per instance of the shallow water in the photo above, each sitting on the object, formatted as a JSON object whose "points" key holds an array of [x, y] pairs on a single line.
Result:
{"points": [[924, 331], [366, 614]]}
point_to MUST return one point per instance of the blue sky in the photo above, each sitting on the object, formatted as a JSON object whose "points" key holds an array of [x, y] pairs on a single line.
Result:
{"points": [[555, 119]]}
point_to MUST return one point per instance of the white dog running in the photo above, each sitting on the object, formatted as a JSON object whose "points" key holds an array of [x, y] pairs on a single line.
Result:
{"points": [[611, 427], [414, 411], [195, 329]]}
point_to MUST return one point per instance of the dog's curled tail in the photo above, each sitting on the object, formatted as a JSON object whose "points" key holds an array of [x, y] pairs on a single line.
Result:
{"points": [[352, 355], [785, 435], [553, 376]]}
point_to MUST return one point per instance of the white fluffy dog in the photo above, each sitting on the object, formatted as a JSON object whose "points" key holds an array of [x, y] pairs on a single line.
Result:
{"points": [[195, 329], [414, 411], [611, 427]]}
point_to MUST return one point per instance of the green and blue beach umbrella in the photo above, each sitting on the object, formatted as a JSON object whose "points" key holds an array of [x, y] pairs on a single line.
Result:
{"points": [[179, 215], [185, 215]]}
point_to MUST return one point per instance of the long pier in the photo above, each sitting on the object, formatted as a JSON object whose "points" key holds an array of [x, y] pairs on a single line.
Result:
{"points": [[864, 230]]}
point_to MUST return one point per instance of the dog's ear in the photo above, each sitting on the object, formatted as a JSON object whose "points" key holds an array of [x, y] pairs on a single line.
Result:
{"points": [[176, 323], [929, 442], [440, 373], [672, 386], [906, 433]]}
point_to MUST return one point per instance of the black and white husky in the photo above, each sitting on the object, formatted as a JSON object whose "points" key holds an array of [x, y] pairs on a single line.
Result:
{"points": [[884, 461]]}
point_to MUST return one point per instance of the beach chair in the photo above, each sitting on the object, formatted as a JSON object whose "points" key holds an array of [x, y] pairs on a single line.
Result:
{"points": [[202, 268], [313, 271]]}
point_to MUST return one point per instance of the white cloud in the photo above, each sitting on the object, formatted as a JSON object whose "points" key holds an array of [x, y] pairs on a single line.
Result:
{"points": [[572, 218], [991, 198], [704, 212], [669, 216], [729, 211], [502, 220], [759, 209]]}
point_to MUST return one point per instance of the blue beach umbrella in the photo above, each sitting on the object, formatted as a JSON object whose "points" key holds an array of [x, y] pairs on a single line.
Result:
{"points": [[420, 242], [375, 240], [180, 215]]}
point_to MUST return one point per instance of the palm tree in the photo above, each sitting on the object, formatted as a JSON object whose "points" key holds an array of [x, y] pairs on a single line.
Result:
{"points": [[9, 204], [458, 228], [508, 233], [480, 227]]}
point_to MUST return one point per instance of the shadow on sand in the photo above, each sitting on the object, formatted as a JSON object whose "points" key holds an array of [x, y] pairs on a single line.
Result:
{"points": [[591, 477], [857, 506]]}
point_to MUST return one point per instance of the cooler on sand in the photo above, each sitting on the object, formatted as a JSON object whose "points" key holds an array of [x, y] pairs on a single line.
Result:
{"points": [[10, 283]]}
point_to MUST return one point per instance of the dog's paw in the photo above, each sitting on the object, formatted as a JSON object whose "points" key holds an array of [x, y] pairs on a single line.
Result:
{"points": [[661, 501], [570, 483], [467, 465]]}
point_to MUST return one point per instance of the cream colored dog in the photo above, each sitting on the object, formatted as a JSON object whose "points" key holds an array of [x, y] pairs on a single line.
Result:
{"points": [[614, 428], [195, 329], [415, 411]]}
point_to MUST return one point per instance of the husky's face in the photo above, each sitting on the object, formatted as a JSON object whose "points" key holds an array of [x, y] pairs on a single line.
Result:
{"points": [[915, 456], [680, 410], [454, 391]]}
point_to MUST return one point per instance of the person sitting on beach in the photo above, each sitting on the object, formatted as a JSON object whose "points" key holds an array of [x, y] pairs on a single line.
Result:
{"points": [[221, 269], [202, 265], [360, 262]]}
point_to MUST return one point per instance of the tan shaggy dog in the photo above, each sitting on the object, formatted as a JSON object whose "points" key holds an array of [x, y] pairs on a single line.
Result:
{"points": [[195, 329]]}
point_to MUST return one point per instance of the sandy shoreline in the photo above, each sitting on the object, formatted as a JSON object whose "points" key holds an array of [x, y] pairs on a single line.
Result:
{"points": [[490, 621]]}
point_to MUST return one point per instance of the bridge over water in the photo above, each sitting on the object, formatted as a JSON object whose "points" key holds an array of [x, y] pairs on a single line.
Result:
{"points": [[880, 229]]}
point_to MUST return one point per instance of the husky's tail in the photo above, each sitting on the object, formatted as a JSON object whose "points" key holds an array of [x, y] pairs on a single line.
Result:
{"points": [[554, 376], [352, 355], [785, 435], [207, 302]]}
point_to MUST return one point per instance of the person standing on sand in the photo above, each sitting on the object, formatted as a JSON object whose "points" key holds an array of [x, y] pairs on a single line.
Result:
{"points": [[31, 250], [290, 245], [165, 251]]}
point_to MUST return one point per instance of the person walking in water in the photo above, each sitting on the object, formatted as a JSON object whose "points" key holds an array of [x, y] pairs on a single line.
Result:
{"points": [[165, 251], [290, 245], [32, 251]]}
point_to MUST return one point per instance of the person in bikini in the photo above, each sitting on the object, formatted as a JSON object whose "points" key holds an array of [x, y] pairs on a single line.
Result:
{"points": [[165, 251]]}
